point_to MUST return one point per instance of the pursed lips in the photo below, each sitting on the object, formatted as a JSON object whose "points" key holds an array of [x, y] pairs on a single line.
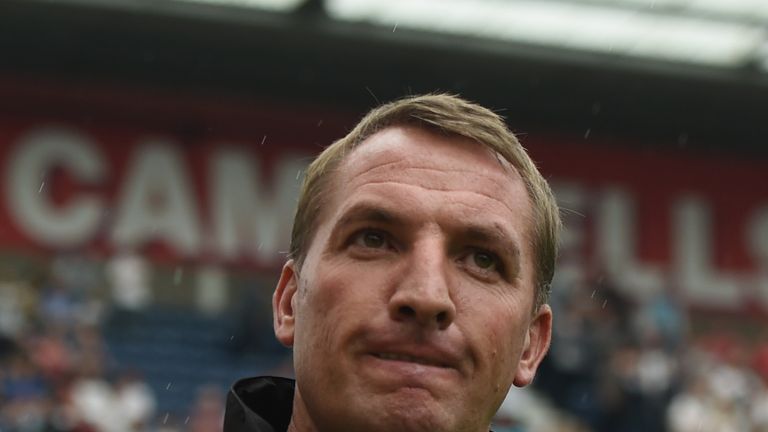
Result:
{"points": [[410, 359], [426, 355]]}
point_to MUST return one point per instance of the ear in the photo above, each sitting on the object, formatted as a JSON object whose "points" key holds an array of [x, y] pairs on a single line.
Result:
{"points": [[536, 345], [283, 316]]}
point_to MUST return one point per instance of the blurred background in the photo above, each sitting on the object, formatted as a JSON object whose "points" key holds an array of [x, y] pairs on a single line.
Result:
{"points": [[150, 153]]}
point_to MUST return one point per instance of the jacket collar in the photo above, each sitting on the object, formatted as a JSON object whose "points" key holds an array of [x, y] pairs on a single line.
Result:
{"points": [[260, 404]]}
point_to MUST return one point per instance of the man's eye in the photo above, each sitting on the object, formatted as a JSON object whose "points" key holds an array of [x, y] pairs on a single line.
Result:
{"points": [[482, 261], [370, 239]]}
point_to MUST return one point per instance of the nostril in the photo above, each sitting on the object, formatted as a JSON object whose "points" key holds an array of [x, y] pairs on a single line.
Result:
{"points": [[442, 317], [406, 311]]}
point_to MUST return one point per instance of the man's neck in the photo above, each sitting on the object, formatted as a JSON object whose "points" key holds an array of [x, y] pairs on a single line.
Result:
{"points": [[300, 419]]}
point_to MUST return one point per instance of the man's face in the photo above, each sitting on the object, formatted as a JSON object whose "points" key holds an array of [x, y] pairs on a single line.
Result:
{"points": [[413, 307]]}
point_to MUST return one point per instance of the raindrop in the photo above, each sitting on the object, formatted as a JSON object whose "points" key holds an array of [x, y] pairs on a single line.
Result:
{"points": [[186, 420], [165, 420], [168, 387], [260, 245], [177, 275], [604, 303], [394, 28], [319, 123], [262, 140], [298, 174], [42, 185], [586, 134], [232, 337], [593, 294]]}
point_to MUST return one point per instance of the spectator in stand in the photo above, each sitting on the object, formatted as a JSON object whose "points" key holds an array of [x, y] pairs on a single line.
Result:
{"points": [[92, 353], [134, 400], [692, 410], [207, 413], [59, 306], [719, 393], [24, 396], [760, 355], [128, 274], [17, 300], [52, 353], [759, 410]]}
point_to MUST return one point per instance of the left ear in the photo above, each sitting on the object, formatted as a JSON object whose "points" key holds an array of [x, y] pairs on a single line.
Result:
{"points": [[536, 345]]}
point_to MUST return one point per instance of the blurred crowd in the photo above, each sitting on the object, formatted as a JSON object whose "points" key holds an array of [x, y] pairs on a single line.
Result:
{"points": [[616, 363], [627, 364], [56, 371]]}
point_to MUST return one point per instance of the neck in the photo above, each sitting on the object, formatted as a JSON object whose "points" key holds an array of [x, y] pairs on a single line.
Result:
{"points": [[300, 419]]}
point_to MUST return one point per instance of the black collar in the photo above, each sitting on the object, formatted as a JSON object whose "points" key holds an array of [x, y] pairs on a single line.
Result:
{"points": [[260, 404]]}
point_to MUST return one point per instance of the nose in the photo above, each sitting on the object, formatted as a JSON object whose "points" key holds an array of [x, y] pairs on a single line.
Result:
{"points": [[423, 296]]}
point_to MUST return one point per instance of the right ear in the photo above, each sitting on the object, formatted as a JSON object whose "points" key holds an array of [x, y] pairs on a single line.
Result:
{"points": [[284, 319]]}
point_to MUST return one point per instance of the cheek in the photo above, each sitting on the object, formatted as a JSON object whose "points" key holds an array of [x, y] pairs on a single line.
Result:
{"points": [[499, 346], [316, 339], [315, 318], [504, 334], [331, 304]]}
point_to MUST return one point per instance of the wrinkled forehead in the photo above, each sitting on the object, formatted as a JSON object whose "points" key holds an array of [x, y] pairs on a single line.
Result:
{"points": [[395, 147], [468, 173]]}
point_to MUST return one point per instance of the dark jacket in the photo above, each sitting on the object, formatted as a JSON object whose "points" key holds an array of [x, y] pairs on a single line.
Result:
{"points": [[261, 404]]}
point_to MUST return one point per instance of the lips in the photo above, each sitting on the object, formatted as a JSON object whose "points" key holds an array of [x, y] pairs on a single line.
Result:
{"points": [[403, 351], [411, 359]]}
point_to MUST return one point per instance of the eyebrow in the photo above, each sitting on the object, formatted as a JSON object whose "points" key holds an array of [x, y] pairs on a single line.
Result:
{"points": [[368, 212]]}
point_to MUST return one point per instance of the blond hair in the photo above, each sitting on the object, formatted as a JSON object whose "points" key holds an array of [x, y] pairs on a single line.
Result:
{"points": [[449, 115]]}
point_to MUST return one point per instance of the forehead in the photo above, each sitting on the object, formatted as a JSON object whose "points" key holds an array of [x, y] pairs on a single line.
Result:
{"points": [[449, 169], [401, 145]]}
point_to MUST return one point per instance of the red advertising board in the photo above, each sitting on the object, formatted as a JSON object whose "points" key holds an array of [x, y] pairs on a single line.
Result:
{"points": [[207, 178]]}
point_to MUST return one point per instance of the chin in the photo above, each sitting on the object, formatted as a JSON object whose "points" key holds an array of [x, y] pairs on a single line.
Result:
{"points": [[415, 410]]}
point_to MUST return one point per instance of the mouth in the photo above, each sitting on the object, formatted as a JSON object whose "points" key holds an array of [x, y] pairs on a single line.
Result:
{"points": [[410, 359]]}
